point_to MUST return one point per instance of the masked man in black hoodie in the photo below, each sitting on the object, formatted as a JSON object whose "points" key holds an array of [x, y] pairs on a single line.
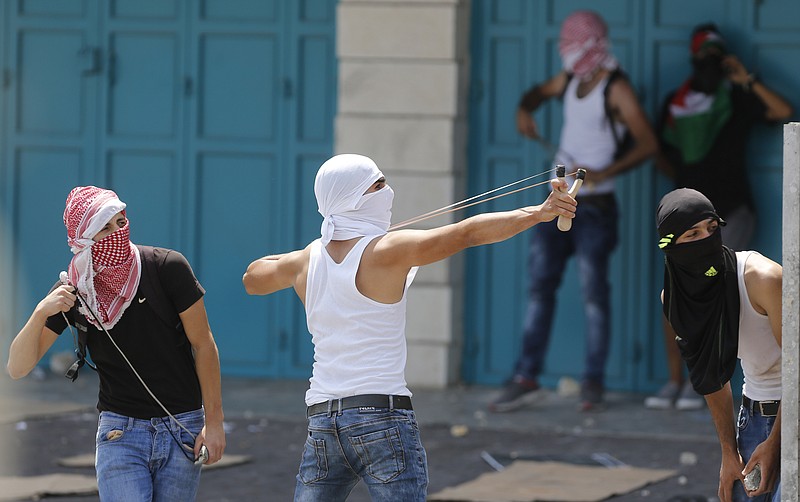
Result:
{"points": [[723, 304]]}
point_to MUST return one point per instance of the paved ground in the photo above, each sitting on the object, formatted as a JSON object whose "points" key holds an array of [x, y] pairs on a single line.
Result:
{"points": [[44, 420]]}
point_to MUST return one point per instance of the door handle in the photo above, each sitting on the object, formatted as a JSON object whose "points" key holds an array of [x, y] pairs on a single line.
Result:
{"points": [[91, 60]]}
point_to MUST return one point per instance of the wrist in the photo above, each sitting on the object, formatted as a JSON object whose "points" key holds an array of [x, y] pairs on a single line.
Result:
{"points": [[748, 82]]}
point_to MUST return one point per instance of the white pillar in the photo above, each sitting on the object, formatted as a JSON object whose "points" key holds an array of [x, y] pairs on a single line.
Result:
{"points": [[790, 448], [402, 101]]}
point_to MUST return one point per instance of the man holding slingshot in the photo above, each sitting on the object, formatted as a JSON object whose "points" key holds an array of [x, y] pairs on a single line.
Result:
{"points": [[600, 106], [353, 282]]}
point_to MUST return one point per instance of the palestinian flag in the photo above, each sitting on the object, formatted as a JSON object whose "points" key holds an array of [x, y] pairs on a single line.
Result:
{"points": [[695, 119]]}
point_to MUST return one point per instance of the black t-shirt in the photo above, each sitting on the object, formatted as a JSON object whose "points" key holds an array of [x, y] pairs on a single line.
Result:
{"points": [[161, 354], [722, 174]]}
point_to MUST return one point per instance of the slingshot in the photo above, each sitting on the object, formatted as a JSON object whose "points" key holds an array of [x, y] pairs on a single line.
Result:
{"points": [[482, 197]]}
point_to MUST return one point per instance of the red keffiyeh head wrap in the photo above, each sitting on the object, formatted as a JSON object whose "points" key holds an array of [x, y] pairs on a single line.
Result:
{"points": [[106, 272], [583, 44]]}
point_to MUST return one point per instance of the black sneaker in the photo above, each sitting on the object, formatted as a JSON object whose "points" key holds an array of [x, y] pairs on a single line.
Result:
{"points": [[591, 396], [516, 394]]}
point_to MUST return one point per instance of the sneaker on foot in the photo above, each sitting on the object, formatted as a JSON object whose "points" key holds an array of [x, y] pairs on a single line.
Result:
{"points": [[517, 393], [689, 399], [664, 398], [591, 395]]}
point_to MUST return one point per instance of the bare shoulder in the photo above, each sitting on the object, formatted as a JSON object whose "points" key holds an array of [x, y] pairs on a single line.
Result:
{"points": [[763, 279], [762, 269], [621, 92], [299, 256], [555, 85]]}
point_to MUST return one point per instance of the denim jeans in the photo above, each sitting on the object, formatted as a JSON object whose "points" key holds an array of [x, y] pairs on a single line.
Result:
{"points": [[592, 239], [752, 429], [380, 446], [139, 459]]}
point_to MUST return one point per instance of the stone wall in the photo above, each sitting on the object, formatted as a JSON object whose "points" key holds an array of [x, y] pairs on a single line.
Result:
{"points": [[403, 74]]}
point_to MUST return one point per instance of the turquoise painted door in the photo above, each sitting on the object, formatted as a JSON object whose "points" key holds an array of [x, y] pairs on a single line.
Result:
{"points": [[265, 94], [50, 80], [514, 45], [208, 118]]}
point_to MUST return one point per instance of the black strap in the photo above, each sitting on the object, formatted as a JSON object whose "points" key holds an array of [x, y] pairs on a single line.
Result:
{"points": [[617, 73]]}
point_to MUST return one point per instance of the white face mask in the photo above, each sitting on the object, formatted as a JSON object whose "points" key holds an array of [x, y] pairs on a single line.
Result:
{"points": [[372, 216], [570, 58]]}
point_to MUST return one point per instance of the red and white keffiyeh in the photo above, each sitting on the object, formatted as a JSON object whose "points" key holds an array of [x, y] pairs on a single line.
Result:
{"points": [[584, 46], [106, 272]]}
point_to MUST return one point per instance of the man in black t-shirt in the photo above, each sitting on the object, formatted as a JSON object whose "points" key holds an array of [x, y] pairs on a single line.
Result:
{"points": [[160, 394], [703, 132]]}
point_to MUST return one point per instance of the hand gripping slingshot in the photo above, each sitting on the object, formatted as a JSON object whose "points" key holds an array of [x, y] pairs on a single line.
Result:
{"points": [[564, 224], [203, 456]]}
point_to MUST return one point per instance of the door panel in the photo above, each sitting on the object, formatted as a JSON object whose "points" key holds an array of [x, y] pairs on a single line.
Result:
{"points": [[48, 135], [240, 10], [53, 8], [238, 86], [237, 197], [144, 84], [144, 9], [44, 177], [50, 80], [150, 205]]}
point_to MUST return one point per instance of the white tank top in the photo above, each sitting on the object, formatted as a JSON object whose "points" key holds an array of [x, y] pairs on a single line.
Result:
{"points": [[359, 344], [758, 350], [586, 137]]}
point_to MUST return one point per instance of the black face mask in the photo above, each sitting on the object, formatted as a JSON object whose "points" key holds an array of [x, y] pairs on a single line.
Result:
{"points": [[708, 73], [698, 260], [701, 292]]}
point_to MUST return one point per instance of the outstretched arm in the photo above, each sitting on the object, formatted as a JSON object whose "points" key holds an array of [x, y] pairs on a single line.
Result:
{"points": [[275, 272], [409, 248]]}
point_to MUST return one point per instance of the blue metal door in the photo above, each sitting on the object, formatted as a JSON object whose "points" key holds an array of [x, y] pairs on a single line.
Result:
{"points": [[49, 83], [264, 105], [209, 118], [514, 45]]}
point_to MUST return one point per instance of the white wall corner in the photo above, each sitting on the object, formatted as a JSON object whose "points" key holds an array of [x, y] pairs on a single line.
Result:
{"points": [[790, 370]]}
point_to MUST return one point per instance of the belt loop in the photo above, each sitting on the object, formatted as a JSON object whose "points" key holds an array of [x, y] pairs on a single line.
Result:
{"points": [[749, 405], [330, 402], [391, 402], [131, 422], [339, 403]]}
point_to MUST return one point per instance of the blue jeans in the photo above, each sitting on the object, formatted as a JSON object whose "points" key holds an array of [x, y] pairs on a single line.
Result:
{"points": [[592, 239], [380, 446], [752, 429], [138, 459]]}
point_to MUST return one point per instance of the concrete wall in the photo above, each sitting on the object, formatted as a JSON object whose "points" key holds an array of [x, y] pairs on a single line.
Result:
{"points": [[790, 418], [403, 73]]}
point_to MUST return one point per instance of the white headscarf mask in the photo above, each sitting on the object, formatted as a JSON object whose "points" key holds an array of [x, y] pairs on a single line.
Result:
{"points": [[348, 212]]}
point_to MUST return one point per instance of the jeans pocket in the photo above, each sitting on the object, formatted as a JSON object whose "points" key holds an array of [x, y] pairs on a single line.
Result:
{"points": [[382, 453], [314, 464], [109, 434]]}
